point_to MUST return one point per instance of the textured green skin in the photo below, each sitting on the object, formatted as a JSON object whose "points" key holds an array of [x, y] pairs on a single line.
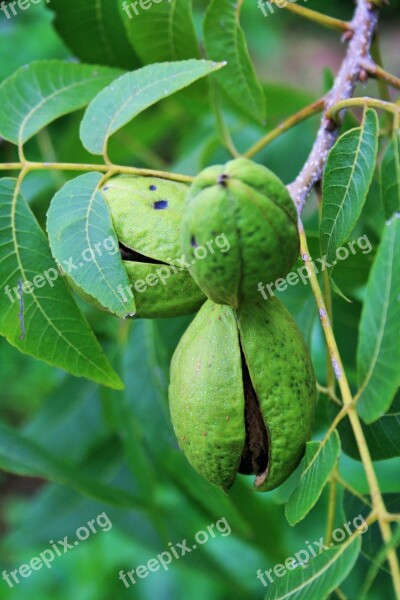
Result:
{"points": [[183, 297], [206, 395], [255, 212], [180, 296], [155, 234], [283, 378], [206, 387]]}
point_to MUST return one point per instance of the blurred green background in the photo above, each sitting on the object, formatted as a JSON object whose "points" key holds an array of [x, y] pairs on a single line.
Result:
{"points": [[124, 440]]}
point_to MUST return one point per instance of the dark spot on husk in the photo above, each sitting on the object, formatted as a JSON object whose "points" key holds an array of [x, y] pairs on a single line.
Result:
{"points": [[160, 204], [193, 242], [153, 188], [222, 179]]}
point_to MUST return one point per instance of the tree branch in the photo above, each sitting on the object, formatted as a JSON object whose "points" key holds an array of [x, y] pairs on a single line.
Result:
{"points": [[363, 27]]}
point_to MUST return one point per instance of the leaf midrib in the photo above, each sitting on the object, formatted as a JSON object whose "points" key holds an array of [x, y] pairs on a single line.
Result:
{"points": [[33, 295], [361, 130], [317, 574], [157, 83], [88, 212], [347, 188], [43, 102]]}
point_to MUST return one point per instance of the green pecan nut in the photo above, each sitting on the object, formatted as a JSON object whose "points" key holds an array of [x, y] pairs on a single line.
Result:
{"points": [[147, 218], [242, 393], [252, 207]]}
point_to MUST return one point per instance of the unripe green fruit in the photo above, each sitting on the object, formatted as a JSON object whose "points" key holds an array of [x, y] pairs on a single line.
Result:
{"points": [[147, 218], [251, 206], [242, 393]]}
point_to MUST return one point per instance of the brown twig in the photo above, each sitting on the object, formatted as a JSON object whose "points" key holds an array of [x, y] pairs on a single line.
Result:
{"points": [[363, 27], [377, 72]]}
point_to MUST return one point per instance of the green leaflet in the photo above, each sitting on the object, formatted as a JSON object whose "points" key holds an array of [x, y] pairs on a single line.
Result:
{"points": [[378, 353], [39, 93], [225, 40], [83, 241], [132, 93], [318, 463], [347, 178], [43, 320], [174, 19], [94, 30], [390, 176]]}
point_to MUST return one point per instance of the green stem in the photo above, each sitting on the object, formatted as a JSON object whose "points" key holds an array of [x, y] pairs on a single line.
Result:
{"points": [[383, 76], [377, 563], [348, 402], [351, 490], [317, 17], [340, 594], [333, 113], [331, 510], [394, 517], [304, 113], [384, 79], [377, 58], [327, 292], [328, 392], [223, 130], [116, 169], [330, 375]]}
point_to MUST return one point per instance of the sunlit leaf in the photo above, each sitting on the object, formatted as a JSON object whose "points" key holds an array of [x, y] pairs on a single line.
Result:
{"points": [[83, 241], [132, 93], [318, 463], [37, 312], [39, 93], [347, 178], [318, 577]]}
